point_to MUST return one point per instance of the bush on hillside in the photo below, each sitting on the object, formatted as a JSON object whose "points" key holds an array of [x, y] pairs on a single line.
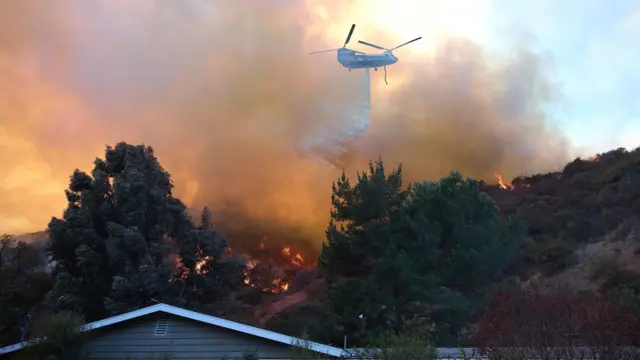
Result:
{"points": [[556, 323]]}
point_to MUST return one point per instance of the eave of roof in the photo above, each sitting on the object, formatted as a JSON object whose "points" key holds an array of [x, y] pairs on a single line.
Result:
{"points": [[203, 318]]}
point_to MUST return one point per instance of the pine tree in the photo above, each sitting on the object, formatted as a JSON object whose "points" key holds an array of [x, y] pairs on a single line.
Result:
{"points": [[471, 247], [357, 254], [208, 274], [402, 259]]}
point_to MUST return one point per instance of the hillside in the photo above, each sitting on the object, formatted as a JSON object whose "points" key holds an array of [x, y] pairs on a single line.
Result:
{"points": [[570, 211], [582, 229]]}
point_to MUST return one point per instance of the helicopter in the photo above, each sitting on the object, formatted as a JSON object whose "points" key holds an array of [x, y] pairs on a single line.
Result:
{"points": [[353, 59]]}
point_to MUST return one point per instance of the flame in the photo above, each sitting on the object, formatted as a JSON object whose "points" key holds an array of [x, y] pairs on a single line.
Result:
{"points": [[275, 285], [594, 158], [501, 182], [298, 260], [247, 278], [279, 285], [201, 263]]}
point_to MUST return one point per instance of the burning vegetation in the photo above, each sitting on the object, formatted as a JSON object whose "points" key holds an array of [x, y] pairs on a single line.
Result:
{"points": [[501, 182], [270, 269], [267, 278]]}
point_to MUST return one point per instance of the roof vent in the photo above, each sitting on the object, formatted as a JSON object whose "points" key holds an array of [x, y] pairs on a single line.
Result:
{"points": [[162, 327]]}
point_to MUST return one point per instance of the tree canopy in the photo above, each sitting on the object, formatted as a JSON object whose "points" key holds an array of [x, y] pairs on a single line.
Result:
{"points": [[113, 244], [406, 258], [23, 285]]}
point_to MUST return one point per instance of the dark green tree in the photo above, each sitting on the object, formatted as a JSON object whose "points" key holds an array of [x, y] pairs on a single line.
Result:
{"points": [[207, 272], [402, 259], [470, 246], [112, 245], [358, 239], [24, 283]]}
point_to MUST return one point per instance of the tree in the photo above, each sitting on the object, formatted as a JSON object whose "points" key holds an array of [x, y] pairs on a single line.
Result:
{"points": [[207, 273], [310, 320], [358, 256], [6, 242], [396, 260], [23, 286], [112, 245], [56, 337], [469, 246]]}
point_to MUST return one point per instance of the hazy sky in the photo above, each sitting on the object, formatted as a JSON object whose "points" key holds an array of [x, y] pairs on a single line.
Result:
{"points": [[226, 93], [594, 48]]}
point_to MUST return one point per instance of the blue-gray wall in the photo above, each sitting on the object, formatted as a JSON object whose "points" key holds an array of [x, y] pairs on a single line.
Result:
{"points": [[185, 340]]}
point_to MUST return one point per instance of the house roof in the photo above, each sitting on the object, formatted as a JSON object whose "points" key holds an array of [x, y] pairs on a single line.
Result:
{"points": [[203, 318]]}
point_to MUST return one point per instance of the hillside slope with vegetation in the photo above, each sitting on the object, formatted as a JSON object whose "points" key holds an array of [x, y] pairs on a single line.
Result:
{"points": [[421, 258], [592, 206]]}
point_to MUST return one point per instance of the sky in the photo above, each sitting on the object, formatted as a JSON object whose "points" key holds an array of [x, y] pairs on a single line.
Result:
{"points": [[593, 46], [249, 124]]}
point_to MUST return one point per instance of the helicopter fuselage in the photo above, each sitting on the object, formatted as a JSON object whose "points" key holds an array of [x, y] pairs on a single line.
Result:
{"points": [[351, 59]]}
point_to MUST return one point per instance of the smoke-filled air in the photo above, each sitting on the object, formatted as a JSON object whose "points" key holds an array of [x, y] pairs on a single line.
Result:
{"points": [[245, 120]]}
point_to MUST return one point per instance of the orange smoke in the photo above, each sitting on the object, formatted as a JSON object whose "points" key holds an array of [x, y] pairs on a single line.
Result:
{"points": [[227, 95]]}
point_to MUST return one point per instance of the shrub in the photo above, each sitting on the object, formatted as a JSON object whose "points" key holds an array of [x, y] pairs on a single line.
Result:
{"points": [[310, 317], [56, 337], [551, 255], [399, 347], [604, 268], [413, 346], [557, 323]]}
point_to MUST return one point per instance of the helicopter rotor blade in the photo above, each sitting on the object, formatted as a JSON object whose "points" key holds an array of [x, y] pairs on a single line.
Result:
{"points": [[323, 51], [353, 27], [372, 45], [407, 43]]}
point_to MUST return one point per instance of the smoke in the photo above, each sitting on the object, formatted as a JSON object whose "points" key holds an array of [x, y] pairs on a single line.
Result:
{"points": [[239, 113]]}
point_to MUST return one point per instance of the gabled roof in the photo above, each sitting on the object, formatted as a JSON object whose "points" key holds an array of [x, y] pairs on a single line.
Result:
{"points": [[203, 318]]}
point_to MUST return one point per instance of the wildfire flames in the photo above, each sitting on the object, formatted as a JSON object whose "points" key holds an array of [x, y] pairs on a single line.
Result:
{"points": [[201, 263], [520, 182], [501, 182], [297, 259], [269, 273]]}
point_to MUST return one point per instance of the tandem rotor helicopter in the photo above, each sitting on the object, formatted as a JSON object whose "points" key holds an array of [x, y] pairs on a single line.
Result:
{"points": [[353, 59]]}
